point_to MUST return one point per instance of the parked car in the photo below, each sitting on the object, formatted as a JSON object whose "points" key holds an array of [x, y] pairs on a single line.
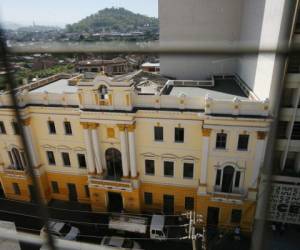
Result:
{"points": [[61, 230], [120, 242]]}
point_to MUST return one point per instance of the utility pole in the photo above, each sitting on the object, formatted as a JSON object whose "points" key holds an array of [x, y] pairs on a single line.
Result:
{"points": [[195, 220]]}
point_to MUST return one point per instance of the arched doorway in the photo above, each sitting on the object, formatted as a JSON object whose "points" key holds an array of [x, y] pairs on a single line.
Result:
{"points": [[113, 163], [227, 181]]}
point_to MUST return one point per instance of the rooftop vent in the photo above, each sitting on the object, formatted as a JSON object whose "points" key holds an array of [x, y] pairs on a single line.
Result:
{"points": [[191, 83]]}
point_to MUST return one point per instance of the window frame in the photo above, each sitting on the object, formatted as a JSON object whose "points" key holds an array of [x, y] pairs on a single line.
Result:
{"points": [[16, 128], [68, 128], [55, 187], [218, 147], [183, 170], [148, 160], [240, 216], [2, 128], [16, 188], [51, 124], [63, 159], [173, 166], [239, 148], [148, 195], [235, 189], [78, 160], [48, 152], [158, 138], [177, 135], [186, 203]]}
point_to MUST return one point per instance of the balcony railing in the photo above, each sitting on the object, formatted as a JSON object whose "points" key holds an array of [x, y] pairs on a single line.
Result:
{"points": [[109, 183], [11, 171]]}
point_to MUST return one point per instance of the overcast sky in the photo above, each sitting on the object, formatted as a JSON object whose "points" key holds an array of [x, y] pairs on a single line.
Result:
{"points": [[61, 12]]}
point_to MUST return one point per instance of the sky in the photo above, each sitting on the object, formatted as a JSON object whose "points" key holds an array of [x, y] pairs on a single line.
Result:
{"points": [[61, 12]]}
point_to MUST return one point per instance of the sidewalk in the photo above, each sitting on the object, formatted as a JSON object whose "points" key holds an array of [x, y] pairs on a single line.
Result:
{"points": [[288, 240], [227, 242]]}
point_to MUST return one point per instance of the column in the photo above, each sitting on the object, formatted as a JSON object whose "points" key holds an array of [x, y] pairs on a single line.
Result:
{"points": [[132, 159], [124, 151], [259, 156], [204, 158], [89, 148], [297, 163], [29, 140], [96, 146]]}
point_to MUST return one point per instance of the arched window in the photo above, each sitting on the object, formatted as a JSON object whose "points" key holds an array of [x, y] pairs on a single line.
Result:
{"points": [[16, 156], [103, 92], [113, 163], [228, 180]]}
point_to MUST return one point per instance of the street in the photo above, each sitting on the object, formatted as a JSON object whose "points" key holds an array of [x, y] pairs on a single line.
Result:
{"points": [[92, 226]]}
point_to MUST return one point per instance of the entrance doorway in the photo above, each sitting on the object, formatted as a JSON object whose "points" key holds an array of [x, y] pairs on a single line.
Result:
{"points": [[115, 202], [72, 192], [168, 204], [213, 216], [113, 164], [32, 194], [227, 180]]}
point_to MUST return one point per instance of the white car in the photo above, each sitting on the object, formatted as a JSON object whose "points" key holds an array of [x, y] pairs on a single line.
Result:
{"points": [[120, 242], [61, 230]]}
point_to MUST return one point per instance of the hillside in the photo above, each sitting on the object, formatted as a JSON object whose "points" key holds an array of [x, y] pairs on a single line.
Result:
{"points": [[116, 20]]}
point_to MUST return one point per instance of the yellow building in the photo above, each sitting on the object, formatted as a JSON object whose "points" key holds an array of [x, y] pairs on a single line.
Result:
{"points": [[139, 144]]}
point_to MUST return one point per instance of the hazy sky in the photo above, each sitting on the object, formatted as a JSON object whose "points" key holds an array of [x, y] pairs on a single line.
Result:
{"points": [[60, 12]]}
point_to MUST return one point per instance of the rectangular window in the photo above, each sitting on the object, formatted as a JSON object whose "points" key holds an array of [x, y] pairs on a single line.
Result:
{"points": [[221, 140], [149, 167], [237, 179], [148, 198], [188, 170], [87, 191], [66, 159], [54, 186], [179, 134], [51, 127], [68, 128], [168, 168], [16, 128], [16, 188], [158, 133], [218, 177], [81, 160], [236, 215], [2, 128], [51, 158], [189, 203], [243, 142]]}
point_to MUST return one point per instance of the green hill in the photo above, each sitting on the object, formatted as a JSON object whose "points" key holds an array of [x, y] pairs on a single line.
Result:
{"points": [[115, 19]]}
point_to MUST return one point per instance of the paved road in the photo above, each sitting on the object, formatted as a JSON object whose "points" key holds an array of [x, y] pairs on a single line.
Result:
{"points": [[93, 226]]}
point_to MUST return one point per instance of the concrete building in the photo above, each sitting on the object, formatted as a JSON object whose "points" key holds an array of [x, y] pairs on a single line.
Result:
{"points": [[116, 66], [261, 23], [192, 145]]}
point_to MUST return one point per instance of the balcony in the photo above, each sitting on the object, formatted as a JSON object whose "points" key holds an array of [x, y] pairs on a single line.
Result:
{"points": [[15, 173], [236, 196], [105, 182]]}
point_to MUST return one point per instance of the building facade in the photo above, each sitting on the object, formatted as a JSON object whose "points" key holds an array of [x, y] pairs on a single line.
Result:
{"points": [[195, 145], [116, 66]]}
